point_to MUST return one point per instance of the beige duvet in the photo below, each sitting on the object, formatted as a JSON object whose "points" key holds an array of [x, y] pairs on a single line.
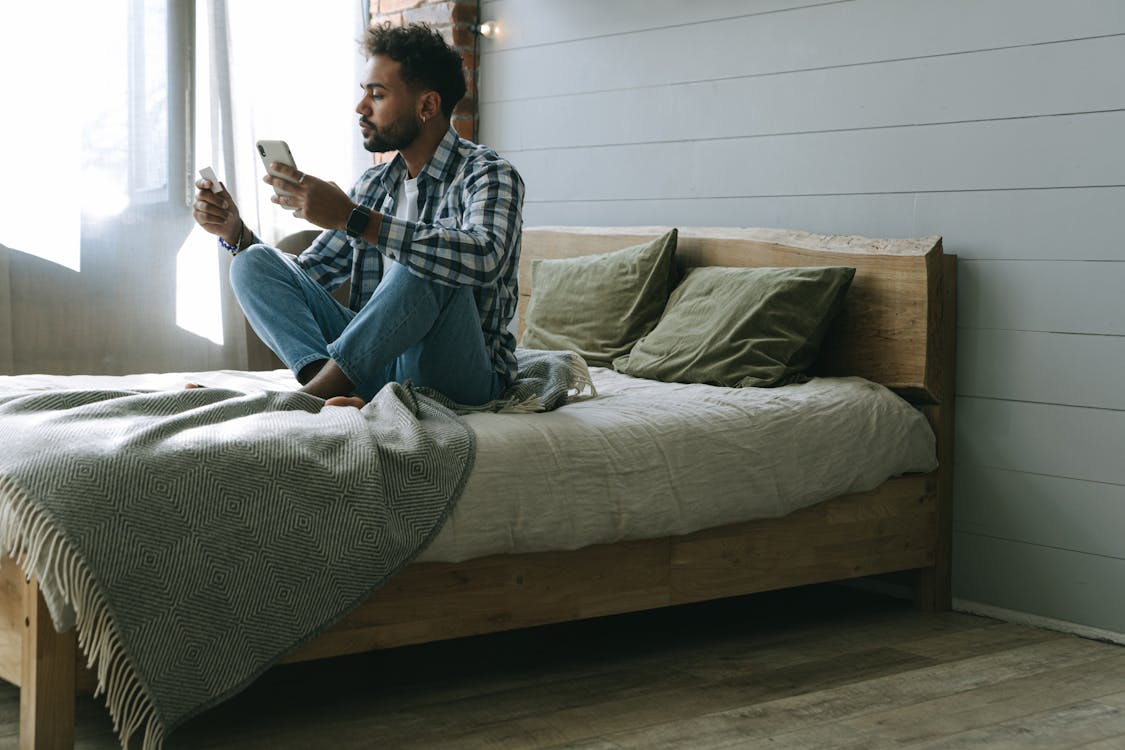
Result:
{"points": [[643, 459]]}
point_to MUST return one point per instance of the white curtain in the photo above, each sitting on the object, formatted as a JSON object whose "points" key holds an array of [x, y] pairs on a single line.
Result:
{"points": [[109, 109], [269, 69], [93, 146]]}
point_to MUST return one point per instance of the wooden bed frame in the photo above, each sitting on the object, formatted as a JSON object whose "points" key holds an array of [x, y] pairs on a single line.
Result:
{"points": [[897, 329]]}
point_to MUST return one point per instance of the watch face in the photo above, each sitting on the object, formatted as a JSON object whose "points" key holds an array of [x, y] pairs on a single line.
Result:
{"points": [[357, 221]]}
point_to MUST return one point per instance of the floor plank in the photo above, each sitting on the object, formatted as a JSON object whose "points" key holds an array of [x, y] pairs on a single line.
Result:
{"points": [[820, 714], [826, 667], [1003, 701], [1109, 743], [1065, 727], [1116, 699]]}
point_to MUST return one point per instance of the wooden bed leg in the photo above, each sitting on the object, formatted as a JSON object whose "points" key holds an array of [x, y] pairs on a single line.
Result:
{"points": [[47, 678], [933, 587], [932, 592]]}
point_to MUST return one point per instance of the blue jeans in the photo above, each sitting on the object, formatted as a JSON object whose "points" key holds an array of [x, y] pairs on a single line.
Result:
{"points": [[411, 328]]}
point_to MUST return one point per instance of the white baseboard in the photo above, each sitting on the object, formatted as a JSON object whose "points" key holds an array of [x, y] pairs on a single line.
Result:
{"points": [[1037, 621], [901, 591]]}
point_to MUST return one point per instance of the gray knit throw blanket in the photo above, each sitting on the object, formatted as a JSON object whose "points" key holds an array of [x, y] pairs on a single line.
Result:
{"points": [[195, 537], [546, 380]]}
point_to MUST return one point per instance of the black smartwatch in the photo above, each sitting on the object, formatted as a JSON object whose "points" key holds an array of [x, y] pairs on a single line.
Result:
{"points": [[357, 221]]}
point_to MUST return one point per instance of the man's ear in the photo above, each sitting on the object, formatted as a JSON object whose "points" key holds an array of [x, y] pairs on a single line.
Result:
{"points": [[431, 105]]}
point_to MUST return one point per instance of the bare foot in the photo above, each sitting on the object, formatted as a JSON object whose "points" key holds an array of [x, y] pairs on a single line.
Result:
{"points": [[329, 382], [310, 371], [355, 401], [193, 385]]}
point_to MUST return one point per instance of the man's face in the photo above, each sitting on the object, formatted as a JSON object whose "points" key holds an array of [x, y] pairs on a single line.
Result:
{"points": [[389, 108]]}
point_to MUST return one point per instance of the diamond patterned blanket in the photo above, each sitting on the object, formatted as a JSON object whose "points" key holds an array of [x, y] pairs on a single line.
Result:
{"points": [[194, 537]]}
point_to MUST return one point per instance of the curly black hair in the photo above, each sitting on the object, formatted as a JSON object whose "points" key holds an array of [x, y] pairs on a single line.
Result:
{"points": [[425, 60]]}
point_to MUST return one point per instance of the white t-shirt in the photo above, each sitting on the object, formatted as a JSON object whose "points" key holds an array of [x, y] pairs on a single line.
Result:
{"points": [[406, 200]]}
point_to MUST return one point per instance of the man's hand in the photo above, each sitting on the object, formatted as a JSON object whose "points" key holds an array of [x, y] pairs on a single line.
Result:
{"points": [[216, 212], [314, 200]]}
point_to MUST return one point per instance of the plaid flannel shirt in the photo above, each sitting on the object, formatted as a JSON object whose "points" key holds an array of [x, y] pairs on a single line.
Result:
{"points": [[467, 234]]}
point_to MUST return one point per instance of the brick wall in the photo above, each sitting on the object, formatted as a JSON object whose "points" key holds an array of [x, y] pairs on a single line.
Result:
{"points": [[456, 20]]}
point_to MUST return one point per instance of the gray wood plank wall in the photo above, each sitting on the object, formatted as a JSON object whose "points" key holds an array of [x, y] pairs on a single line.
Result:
{"points": [[995, 123], [5, 315]]}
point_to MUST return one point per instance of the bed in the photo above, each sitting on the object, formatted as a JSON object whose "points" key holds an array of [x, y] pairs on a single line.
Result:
{"points": [[896, 330]]}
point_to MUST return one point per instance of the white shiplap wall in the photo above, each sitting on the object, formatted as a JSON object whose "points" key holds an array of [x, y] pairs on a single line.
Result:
{"points": [[999, 124]]}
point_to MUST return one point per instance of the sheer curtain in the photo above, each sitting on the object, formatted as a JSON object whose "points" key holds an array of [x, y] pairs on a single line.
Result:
{"points": [[92, 142], [110, 110], [267, 69]]}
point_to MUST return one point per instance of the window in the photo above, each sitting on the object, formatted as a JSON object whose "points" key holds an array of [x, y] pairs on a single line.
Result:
{"points": [[110, 108], [96, 134]]}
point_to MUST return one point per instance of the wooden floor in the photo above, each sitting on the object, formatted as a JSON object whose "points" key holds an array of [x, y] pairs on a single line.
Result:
{"points": [[824, 667]]}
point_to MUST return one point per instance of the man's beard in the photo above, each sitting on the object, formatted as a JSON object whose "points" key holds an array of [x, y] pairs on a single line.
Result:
{"points": [[397, 136]]}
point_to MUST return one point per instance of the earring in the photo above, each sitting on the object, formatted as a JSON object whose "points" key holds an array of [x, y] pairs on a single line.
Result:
{"points": [[423, 119]]}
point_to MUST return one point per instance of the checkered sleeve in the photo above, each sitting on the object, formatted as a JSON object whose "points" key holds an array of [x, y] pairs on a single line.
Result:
{"points": [[328, 261], [470, 251]]}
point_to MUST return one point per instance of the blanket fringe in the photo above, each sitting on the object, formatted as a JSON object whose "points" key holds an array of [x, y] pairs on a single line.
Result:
{"points": [[535, 403], [29, 537], [578, 382], [582, 381]]}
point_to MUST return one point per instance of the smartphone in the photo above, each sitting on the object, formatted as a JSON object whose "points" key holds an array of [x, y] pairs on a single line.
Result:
{"points": [[276, 151]]}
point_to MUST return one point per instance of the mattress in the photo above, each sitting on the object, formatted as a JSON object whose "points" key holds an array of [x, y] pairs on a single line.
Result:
{"points": [[643, 459]]}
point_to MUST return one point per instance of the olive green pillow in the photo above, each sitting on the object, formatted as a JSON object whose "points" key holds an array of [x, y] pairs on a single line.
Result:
{"points": [[741, 326], [599, 305]]}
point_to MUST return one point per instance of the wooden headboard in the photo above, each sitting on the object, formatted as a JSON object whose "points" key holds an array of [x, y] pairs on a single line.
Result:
{"points": [[895, 328]]}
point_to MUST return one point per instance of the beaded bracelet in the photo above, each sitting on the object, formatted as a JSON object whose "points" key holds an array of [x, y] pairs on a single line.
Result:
{"points": [[233, 249]]}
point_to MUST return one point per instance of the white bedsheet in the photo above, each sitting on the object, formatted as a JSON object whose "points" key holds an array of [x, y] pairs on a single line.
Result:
{"points": [[644, 459]]}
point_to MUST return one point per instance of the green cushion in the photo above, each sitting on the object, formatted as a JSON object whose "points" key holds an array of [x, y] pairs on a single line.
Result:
{"points": [[741, 326], [599, 305]]}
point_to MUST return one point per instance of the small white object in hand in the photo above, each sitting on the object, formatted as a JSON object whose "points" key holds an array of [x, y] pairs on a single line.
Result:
{"points": [[209, 174]]}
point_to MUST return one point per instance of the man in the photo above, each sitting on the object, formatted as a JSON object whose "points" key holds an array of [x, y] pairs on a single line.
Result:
{"points": [[430, 241]]}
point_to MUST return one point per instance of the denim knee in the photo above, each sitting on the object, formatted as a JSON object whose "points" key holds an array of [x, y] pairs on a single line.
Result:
{"points": [[418, 284], [251, 262]]}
